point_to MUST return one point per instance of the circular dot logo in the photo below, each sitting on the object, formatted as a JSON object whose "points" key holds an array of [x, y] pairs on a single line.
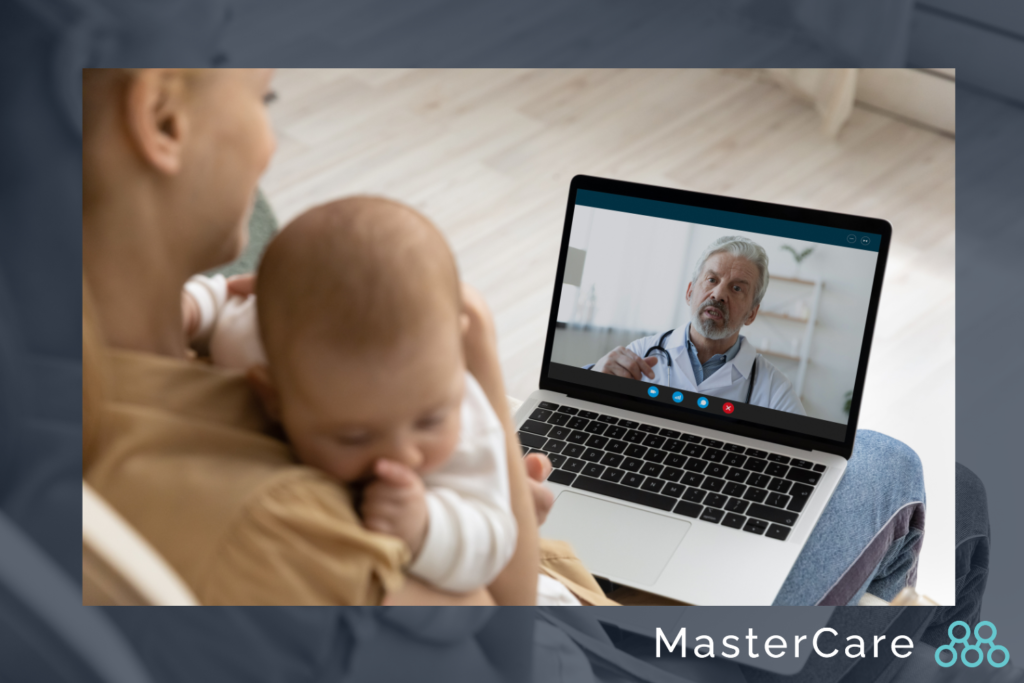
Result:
{"points": [[972, 655], [677, 397], [992, 647], [703, 402], [953, 640], [652, 392]]}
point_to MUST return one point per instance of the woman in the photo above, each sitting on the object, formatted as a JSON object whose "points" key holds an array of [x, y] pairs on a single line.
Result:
{"points": [[170, 164]]}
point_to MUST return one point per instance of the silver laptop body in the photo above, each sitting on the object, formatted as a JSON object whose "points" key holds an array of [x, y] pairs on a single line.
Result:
{"points": [[703, 535]]}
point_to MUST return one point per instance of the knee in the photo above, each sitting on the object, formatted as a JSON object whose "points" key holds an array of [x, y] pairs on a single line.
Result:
{"points": [[892, 458]]}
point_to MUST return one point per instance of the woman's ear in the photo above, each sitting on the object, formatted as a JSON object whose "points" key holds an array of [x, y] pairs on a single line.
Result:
{"points": [[156, 114], [263, 386]]}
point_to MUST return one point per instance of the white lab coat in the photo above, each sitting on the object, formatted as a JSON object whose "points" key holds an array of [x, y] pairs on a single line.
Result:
{"points": [[772, 389]]}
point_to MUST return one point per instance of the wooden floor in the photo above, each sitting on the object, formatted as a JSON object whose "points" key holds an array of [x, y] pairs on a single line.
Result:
{"points": [[488, 155]]}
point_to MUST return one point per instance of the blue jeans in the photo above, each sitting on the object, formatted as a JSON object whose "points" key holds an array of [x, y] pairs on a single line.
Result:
{"points": [[869, 536]]}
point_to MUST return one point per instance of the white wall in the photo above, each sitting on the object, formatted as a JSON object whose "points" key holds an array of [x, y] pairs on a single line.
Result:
{"points": [[637, 268], [635, 282]]}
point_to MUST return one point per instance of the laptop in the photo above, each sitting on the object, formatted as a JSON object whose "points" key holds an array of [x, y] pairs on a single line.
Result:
{"points": [[702, 480]]}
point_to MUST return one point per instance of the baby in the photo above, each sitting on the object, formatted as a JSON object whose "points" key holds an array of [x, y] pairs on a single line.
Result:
{"points": [[358, 354]]}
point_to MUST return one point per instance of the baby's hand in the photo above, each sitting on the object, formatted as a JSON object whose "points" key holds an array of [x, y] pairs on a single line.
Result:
{"points": [[242, 285], [394, 503]]}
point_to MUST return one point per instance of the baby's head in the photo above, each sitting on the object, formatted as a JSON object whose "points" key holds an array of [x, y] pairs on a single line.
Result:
{"points": [[359, 310]]}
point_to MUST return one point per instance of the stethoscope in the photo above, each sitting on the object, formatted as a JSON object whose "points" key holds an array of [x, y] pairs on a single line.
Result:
{"points": [[660, 348]]}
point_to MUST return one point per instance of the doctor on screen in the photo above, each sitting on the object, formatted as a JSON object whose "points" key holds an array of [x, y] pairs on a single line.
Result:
{"points": [[708, 355]]}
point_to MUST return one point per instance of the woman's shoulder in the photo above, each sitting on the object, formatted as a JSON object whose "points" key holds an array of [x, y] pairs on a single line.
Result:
{"points": [[178, 430], [244, 524], [190, 461], [188, 388]]}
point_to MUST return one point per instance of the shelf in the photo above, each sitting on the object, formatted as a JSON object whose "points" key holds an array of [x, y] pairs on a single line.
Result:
{"points": [[784, 316], [779, 354], [792, 279]]}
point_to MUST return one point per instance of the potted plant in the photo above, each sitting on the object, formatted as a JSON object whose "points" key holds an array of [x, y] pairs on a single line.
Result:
{"points": [[798, 256]]}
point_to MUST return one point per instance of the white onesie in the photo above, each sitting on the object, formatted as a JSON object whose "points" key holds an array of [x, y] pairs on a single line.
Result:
{"points": [[472, 532]]}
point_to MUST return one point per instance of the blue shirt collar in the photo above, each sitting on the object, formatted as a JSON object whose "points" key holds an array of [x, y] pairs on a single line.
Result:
{"points": [[725, 357], [702, 371]]}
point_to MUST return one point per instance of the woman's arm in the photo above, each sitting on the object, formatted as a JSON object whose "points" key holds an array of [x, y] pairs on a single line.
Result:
{"points": [[517, 583]]}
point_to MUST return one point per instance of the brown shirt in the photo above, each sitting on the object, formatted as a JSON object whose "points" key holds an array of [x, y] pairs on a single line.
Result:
{"points": [[189, 460]]}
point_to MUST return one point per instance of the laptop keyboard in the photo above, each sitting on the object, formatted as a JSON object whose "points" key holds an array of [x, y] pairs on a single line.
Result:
{"points": [[721, 483]]}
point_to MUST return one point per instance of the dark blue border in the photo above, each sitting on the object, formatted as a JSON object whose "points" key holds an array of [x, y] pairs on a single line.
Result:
{"points": [[762, 225]]}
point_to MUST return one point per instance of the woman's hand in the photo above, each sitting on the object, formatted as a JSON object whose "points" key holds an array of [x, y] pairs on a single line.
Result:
{"points": [[479, 336], [517, 583], [538, 467]]}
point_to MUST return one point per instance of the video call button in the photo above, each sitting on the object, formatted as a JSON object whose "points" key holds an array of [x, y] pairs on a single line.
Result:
{"points": [[728, 408], [865, 240], [702, 402], [677, 397], [652, 392]]}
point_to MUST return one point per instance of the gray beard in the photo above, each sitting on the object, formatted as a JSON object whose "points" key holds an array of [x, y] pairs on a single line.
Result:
{"points": [[707, 327]]}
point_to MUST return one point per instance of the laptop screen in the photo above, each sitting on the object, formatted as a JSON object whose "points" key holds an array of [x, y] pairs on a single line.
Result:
{"points": [[708, 312]]}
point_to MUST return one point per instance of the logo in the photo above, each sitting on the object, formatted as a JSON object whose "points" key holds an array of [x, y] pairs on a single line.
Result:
{"points": [[973, 660], [728, 408], [702, 402], [652, 392], [677, 397]]}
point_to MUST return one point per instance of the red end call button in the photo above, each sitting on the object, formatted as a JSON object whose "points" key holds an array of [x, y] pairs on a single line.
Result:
{"points": [[728, 408]]}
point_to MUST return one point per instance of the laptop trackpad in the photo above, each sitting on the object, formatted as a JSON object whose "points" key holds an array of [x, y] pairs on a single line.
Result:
{"points": [[613, 540]]}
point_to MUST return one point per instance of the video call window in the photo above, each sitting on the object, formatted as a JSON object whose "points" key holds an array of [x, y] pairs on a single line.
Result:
{"points": [[625, 285]]}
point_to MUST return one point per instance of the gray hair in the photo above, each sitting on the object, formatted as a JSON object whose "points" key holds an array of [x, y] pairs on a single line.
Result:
{"points": [[738, 246]]}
